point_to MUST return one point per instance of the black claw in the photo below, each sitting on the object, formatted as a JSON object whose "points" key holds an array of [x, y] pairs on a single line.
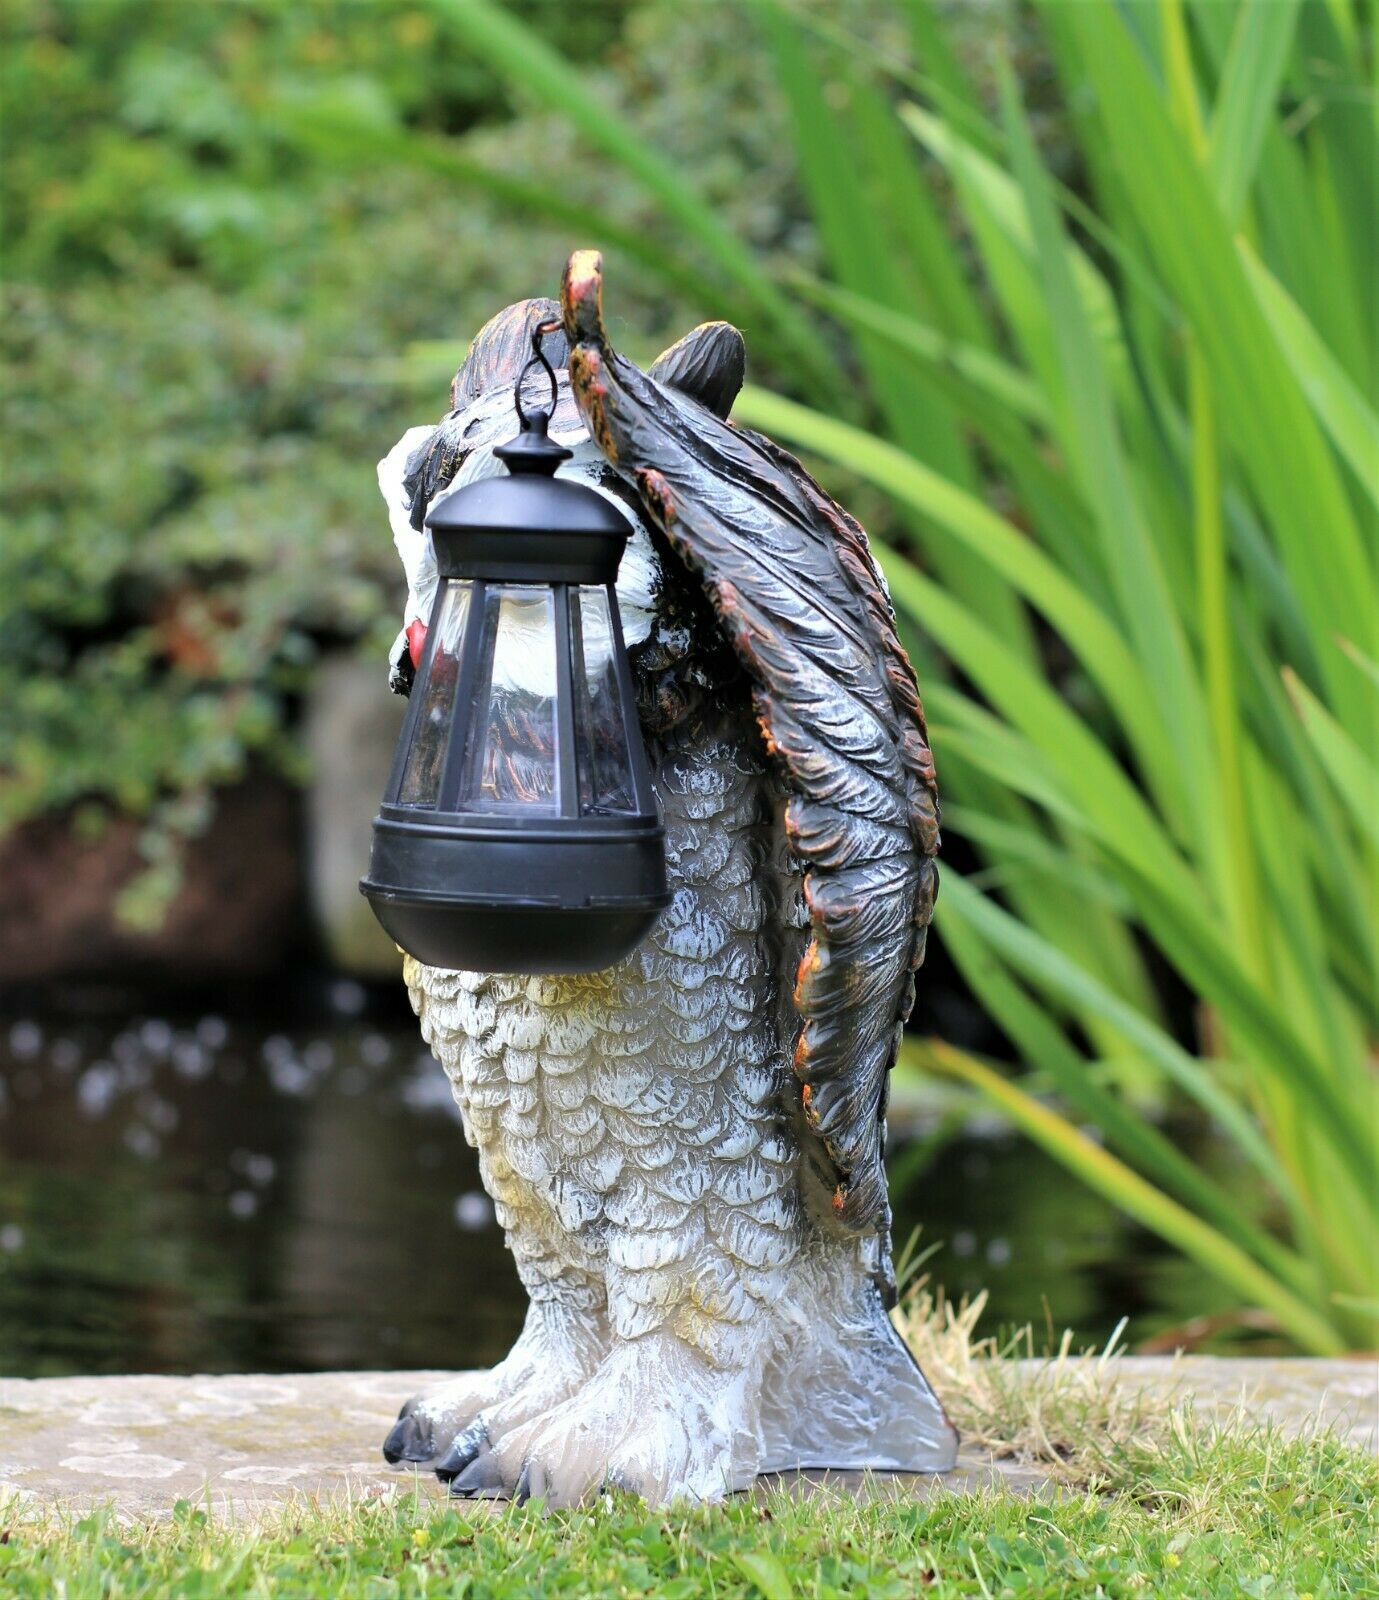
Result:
{"points": [[522, 1489], [412, 1439], [481, 1479], [466, 1447]]}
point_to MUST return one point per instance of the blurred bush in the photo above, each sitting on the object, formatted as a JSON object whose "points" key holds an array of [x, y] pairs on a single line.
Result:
{"points": [[222, 229]]}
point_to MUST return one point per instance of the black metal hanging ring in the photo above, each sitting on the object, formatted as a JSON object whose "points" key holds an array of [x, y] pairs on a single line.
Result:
{"points": [[538, 359]]}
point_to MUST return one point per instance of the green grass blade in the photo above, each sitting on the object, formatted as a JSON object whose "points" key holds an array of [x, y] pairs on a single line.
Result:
{"points": [[1106, 1175], [1244, 109], [1354, 774], [1231, 847], [980, 371], [1341, 407]]}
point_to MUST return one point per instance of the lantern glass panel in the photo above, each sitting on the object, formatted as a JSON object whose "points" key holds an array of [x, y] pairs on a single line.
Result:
{"points": [[421, 775], [605, 767], [510, 762]]}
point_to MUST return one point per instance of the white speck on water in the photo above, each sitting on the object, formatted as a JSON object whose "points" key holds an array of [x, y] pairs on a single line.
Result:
{"points": [[260, 1170], [26, 1038], [65, 1055], [212, 1032], [289, 1077], [319, 1056], [374, 1050], [473, 1211], [964, 1243], [97, 1088], [243, 1203], [277, 1047], [157, 1036], [190, 1059], [142, 1142], [135, 1073], [126, 1048], [11, 1238], [998, 1252], [348, 997], [429, 1090]]}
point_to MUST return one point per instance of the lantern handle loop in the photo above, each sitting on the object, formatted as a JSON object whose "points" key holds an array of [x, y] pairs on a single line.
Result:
{"points": [[537, 359]]}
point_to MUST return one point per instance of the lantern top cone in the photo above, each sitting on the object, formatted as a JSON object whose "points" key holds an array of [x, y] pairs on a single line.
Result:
{"points": [[528, 526]]}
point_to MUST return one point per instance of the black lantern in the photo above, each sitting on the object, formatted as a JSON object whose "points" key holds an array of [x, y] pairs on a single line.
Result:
{"points": [[519, 831]]}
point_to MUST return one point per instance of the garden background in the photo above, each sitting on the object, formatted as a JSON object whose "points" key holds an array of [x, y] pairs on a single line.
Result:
{"points": [[1074, 304]]}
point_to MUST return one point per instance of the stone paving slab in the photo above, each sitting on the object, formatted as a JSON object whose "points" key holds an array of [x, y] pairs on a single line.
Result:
{"points": [[240, 1443]]}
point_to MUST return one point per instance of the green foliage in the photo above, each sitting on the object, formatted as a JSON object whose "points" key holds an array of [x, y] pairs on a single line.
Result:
{"points": [[1123, 396], [198, 301]]}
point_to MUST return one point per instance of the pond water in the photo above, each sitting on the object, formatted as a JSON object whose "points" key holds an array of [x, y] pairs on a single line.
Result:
{"points": [[206, 1196]]}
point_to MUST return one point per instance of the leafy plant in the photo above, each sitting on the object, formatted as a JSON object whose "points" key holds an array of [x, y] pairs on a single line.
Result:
{"points": [[193, 324], [1126, 410]]}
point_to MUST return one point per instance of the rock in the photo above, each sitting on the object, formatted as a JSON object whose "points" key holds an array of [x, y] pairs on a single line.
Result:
{"points": [[351, 728]]}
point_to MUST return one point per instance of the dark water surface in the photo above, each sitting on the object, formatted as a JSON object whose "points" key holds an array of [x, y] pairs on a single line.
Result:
{"points": [[204, 1196]]}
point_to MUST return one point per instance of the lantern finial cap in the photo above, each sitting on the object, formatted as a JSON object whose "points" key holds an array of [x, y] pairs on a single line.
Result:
{"points": [[532, 451]]}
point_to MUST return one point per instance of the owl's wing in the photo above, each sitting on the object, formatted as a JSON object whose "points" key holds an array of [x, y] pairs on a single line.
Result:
{"points": [[796, 590]]}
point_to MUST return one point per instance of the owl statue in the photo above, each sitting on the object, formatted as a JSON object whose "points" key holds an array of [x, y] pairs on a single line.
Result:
{"points": [[685, 1150]]}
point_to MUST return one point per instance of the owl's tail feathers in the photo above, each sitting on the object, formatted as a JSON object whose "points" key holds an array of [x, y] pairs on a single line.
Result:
{"points": [[846, 1394]]}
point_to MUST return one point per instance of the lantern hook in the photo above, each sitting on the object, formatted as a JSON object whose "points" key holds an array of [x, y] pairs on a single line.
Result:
{"points": [[537, 359]]}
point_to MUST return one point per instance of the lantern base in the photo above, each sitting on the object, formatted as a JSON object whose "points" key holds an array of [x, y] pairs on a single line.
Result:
{"points": [[560, 896], [463, 937]]}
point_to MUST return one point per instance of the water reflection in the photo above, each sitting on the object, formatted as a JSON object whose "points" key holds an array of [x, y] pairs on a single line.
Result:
{"points": [[203, 1197]]}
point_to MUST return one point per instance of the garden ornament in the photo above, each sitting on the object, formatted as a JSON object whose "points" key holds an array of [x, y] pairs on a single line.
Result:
{"points": [[685, 1148]]}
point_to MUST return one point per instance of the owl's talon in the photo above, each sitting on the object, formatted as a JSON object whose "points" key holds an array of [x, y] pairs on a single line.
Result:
{"points": [[466, 1447], [482, 1479], [522, 1489], [413, 1438]]}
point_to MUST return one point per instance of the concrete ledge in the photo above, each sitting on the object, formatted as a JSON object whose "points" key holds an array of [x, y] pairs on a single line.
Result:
{"points": [[243, 1442]]}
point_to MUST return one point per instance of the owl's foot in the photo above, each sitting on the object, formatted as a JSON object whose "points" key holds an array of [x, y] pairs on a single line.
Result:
{"points": [[544, 1367], [654, 1419]]}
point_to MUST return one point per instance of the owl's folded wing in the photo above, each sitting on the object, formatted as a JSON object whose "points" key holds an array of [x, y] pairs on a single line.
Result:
{"points": [[796, 590]]}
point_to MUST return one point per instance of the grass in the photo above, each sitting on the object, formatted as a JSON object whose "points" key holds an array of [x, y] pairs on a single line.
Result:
{"points": [[1146, 1498]]}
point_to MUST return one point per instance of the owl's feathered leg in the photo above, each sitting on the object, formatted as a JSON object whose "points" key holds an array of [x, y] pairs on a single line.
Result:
{"points": [[566, 1331], [672, 1410], [841, 1390]]}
